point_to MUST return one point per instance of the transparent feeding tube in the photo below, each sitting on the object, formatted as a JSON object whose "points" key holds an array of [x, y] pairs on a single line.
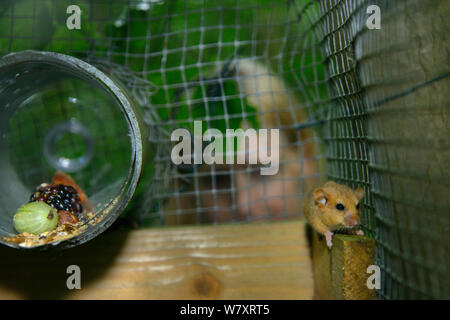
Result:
{"points": [[58, 113]]}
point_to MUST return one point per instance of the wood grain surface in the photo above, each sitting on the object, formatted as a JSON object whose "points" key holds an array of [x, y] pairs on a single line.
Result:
{"points": [[341, 273], [248, 261]]}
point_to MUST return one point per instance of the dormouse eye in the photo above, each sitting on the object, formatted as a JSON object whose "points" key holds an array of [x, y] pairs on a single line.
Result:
{"points": [[340, 206], [357, 206]]}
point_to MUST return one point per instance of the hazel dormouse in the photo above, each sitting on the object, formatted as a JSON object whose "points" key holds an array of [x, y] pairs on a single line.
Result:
{"points": [[332, 206]]}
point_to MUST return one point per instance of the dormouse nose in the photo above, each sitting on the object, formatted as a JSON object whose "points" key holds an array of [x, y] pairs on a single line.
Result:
{"points": [[351, 219]]}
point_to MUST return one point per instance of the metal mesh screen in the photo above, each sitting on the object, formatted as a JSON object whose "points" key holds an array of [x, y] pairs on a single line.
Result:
{"points": [[407, 107], [345, 131], [388, 132], [371, 102]]}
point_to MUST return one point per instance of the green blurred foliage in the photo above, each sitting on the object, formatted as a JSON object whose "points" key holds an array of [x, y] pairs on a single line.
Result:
{"points": [[17, 30], [173, 42], [177, 42], [213, 105]]}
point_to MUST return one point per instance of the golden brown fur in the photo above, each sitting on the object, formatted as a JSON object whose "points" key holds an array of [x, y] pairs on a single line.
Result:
{"points": [[320, 208]]}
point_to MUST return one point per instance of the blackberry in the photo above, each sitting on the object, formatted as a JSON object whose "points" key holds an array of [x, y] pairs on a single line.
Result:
{"points": [[60, 197]]}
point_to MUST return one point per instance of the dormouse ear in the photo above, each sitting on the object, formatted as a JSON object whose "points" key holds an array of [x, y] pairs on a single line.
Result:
{"points": [[320, 197], [359, 193]]}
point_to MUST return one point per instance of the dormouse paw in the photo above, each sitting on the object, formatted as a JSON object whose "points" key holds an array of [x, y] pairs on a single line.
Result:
{"points": [[329, 237], [360, 233]]}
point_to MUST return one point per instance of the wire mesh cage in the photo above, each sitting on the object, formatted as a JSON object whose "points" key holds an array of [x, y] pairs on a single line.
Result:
{"points": [[388, 133], [362, 107]]}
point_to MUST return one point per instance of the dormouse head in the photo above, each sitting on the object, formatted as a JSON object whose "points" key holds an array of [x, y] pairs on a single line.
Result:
{"points": [[338, 204]]}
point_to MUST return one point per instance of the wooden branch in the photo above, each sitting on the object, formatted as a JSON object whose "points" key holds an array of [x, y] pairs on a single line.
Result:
{"points": [[248, 261], [341, 273]]}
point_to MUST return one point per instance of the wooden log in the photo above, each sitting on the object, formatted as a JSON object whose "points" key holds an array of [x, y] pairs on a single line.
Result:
{"points": [[247, 261], [341, 273]]}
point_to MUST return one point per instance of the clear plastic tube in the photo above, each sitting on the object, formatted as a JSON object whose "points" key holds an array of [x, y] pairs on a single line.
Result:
{"points": [[59, 113]]}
